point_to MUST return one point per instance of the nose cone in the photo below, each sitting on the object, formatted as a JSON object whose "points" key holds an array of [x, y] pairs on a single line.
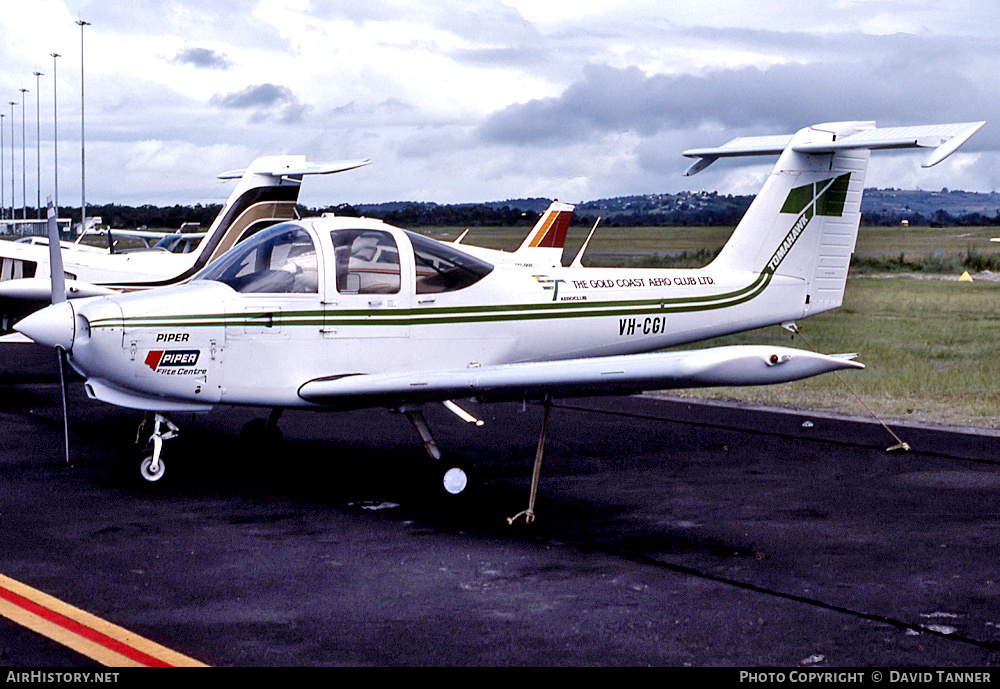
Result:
{"points": [[54, 326]]}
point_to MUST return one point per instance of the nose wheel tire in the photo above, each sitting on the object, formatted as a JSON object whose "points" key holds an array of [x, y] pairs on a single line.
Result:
{"points": [[147, 472]]}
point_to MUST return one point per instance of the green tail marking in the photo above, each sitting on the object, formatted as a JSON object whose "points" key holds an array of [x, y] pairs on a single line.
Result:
{"points": [[829, 195]]}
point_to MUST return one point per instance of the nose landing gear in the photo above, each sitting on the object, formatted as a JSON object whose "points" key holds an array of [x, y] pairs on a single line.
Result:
{"points": [[151, 458]]}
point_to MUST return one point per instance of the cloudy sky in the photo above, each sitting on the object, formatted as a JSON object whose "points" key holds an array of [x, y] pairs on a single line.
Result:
{"points": [[483, 100]]}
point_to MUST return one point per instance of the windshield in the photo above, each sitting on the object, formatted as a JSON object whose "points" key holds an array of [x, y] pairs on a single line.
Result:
{"points": [[280, 259], [178, 243]]}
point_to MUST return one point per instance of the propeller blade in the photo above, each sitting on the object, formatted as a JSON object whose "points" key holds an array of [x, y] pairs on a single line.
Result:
{"points": [[65, 401], [55, 258], [59, 295]]}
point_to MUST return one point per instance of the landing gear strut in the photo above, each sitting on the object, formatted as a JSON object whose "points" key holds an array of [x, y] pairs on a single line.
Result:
{"points": [[454, 478], [151, 464]]}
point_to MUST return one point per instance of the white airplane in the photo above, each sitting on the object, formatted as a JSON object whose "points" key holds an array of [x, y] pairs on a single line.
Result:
{"points": [[180, 241], [345, 313]]}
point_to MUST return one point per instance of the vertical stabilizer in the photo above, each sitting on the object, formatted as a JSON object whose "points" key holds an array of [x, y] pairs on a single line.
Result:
{"points": [[804, 222], [546, 240]]}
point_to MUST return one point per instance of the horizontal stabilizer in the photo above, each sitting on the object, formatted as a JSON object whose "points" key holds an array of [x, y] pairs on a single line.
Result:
{"points": [[298, 166], [40, 289], [718, 366], [945, 139]]}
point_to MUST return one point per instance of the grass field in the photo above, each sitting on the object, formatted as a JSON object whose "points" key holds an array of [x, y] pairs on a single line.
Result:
{"points": [[931, 347], [931, 344]]}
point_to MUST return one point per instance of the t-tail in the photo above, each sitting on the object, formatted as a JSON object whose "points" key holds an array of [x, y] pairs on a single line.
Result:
{"points": [[804, 222], [267, 193]]}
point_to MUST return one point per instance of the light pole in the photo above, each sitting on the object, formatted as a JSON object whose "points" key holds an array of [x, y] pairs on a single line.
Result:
{"points": [[83, 154], [55, 132], [3, 201], [38, 141], [12, 104], [24, 162]]}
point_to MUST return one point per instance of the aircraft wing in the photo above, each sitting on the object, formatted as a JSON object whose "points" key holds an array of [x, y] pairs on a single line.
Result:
{"points": [[945, 139], [40, 289], [718, 366], [144, 234]]}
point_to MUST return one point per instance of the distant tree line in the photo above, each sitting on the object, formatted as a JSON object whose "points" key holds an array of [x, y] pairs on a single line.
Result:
{"points": [[432, 214], [939, 218], [727, 211]]}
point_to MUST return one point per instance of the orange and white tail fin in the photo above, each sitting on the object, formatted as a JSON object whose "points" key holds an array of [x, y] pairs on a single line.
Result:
{"points": [[550, 230]]}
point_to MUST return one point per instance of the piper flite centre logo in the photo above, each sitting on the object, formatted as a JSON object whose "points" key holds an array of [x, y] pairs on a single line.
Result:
{"points": [[174, 362]]}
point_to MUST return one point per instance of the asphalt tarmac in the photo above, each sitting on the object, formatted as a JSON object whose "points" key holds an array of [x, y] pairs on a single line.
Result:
{"points": [[668, 533]]}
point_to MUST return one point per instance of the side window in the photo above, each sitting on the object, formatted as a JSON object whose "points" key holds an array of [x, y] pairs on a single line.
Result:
{"points": [[443, 268], [367, 262], [279, 260]]}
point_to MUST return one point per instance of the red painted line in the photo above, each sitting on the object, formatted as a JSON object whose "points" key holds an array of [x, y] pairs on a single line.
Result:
{"points": [[81, 630]]}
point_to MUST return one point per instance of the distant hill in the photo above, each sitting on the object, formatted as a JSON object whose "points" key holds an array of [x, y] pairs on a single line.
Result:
{"points": [[878, 207], [952, 202]]}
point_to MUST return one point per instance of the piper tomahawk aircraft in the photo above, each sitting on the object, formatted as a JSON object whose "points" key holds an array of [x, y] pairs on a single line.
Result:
{"points": [[344, 313]]}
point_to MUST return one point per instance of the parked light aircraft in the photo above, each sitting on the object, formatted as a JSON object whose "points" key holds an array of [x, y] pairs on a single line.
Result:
{"points": [[344, 313]]}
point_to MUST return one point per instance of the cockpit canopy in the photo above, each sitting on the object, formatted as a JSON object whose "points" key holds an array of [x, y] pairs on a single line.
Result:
{"points": [[366, 260], [280, 259]]}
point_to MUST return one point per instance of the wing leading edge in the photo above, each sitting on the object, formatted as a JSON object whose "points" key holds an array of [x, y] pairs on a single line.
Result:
{"points": [[718, 366]]}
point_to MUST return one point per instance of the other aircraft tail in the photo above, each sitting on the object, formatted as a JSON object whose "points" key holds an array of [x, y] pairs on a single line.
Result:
{"points": [[268, 191], [804, 222], [542, 248], [546, 240], [550, 230]]}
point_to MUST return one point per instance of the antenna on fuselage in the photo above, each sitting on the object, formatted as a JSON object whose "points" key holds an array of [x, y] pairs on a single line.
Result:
{"points": [[578, 261]]}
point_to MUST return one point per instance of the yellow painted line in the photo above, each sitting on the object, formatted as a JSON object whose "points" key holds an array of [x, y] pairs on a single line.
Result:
{"points": [[91, 636]]}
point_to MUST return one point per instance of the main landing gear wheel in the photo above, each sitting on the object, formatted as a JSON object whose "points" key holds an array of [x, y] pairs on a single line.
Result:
{"points": [[260, 438], [455, 480]]}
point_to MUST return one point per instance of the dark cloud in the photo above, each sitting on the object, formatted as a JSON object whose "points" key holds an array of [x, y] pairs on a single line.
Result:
{"points": [[784, 97], [204, 58], [265, 101]]}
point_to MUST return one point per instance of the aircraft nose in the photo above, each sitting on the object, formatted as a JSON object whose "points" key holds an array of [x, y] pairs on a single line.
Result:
{"points": [[53, 326]]}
